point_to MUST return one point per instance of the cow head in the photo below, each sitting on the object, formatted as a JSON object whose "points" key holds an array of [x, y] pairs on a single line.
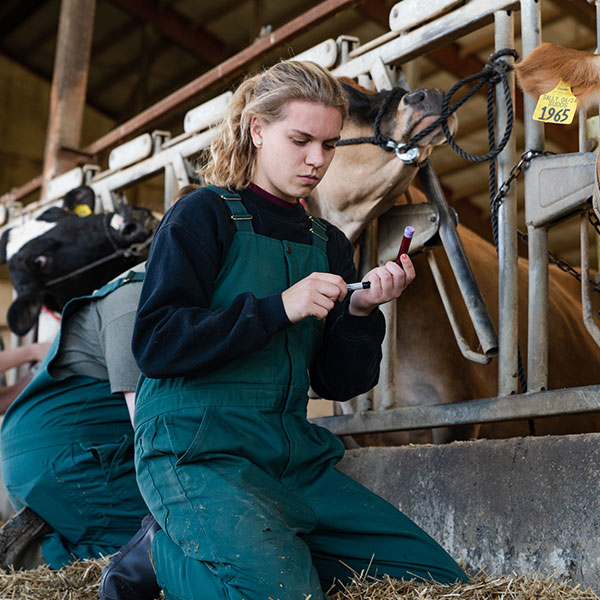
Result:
{"points": [[44, 257], [363, 180]]}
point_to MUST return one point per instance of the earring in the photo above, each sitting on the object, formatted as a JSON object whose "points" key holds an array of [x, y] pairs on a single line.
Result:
{"points": [[259, 143]]}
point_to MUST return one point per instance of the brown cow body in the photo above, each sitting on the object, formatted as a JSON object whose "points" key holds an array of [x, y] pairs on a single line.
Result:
{"points": [[362, 183], [431, 369]]}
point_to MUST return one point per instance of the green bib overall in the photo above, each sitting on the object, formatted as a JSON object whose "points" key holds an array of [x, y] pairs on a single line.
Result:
{"points": [[244, 487], [67, 453]]}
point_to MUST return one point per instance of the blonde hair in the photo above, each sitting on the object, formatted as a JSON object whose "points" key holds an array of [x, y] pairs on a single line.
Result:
{"points": [[265, 95]]}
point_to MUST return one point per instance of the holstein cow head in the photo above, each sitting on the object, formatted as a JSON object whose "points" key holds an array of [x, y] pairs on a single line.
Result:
{"points": [[56, 245], [364, 180]]}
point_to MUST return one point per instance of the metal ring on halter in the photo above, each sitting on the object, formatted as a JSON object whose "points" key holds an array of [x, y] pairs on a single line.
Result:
{"points": [[408, 157]]}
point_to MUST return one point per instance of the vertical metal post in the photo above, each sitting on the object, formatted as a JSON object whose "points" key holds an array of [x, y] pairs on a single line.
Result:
{"points": [[586, 300], [368, 260], [537, 331], [389, 348], [171, 187], [597, 3], [69, 83], [507, 231]]}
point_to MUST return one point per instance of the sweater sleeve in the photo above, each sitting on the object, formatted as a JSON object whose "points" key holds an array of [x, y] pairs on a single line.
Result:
{"points": [[347, 363], [175, 331]]}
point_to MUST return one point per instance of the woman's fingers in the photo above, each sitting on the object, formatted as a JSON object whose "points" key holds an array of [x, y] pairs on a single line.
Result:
{"points": [[387, 282], [313, 296]]}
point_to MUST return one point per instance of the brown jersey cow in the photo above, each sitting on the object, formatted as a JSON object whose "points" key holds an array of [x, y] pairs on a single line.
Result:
{"points": [[362, 183]]}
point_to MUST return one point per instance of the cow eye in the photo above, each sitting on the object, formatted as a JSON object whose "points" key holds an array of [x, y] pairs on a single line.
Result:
{"points": [[40, 261]]}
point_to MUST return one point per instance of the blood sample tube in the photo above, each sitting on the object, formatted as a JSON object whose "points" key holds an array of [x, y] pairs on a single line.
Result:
{"points": [[405, 243]]}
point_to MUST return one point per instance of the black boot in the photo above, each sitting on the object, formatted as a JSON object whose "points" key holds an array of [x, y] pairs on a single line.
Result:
{"points": [[20, 540], [130, 574]]}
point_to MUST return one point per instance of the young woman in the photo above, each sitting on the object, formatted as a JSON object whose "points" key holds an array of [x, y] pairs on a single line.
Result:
{"points": [[244, 304]]}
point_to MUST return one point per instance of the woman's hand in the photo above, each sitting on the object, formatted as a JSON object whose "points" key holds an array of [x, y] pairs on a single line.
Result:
{"points": [[39, 350], [387, 283], [313, 296]]}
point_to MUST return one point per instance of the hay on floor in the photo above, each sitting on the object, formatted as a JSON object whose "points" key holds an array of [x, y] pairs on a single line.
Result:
{"points": [[80, 581], [481, 587]]}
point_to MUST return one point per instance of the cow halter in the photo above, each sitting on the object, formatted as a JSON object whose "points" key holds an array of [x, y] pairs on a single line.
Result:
{"points": [[386, 143], [493, 73]]}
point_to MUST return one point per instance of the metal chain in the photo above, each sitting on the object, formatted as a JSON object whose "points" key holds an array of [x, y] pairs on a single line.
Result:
{"points": [[515, 172], [498, 199], [594, 221]]}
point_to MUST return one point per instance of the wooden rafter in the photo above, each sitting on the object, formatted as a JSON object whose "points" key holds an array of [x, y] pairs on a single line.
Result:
{"points": [[225, 71], [172, 25]]}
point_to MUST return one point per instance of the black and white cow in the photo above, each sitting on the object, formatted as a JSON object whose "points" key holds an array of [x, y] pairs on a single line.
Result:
{"points": [[57, 244]]}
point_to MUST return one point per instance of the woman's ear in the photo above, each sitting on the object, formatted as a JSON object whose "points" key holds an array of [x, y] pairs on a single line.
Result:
{"points": [[256, 127]]}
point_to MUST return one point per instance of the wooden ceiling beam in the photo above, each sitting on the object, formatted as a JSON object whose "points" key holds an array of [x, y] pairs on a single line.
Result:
{"points": [[120, 73], [222, 73], [172, 25], [121, 33]]}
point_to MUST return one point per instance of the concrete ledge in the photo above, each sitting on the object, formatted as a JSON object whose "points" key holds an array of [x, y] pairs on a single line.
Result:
{"points": [[524, 505]]}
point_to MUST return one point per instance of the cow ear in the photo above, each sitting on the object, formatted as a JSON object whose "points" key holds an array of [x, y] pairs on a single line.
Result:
{"points": [[3, 243], [23, 313], [80, 201]]}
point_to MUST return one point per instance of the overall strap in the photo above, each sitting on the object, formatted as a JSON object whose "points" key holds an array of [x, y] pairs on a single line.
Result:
{"points": [[318, 230], [134, 276], [239, 215], [113, 285]]}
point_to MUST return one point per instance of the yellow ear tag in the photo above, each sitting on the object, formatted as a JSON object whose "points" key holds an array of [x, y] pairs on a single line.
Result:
{"points": [[82, 210], [558, 106]]}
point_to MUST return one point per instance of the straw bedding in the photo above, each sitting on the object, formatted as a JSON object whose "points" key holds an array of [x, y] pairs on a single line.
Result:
{"points": [[80, 582]]}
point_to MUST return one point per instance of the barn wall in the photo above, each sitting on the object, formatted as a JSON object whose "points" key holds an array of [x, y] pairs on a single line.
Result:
{"points": [[524, 505], [24, 103]]}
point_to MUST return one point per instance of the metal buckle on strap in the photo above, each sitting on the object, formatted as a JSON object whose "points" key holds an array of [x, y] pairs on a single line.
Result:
{"points": [[319, 235], [315, 222], [247, 218], [129, 277]]}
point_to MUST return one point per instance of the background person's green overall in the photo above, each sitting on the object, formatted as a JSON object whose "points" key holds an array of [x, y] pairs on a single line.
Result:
{"points": [[67, 453], [244, 488]]}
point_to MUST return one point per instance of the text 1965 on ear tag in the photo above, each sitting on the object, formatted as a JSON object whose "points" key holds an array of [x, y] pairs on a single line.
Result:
{"points": [[558, 106]]}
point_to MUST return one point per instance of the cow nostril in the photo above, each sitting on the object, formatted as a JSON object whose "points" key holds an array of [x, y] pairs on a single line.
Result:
{"points": [[129, 230], [40, 261], [415, 97]]}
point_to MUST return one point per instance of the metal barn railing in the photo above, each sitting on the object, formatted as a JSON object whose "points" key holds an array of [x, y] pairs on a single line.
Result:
{"points": [[564, 188]]}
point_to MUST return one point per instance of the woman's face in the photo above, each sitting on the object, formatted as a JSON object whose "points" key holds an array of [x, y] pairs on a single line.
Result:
{"points": [[293, 154]]}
